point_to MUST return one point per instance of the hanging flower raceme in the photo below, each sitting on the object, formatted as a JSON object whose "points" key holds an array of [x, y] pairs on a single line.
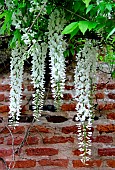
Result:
{"points": [[84, 78], [57, 46], [38, 53], [16, 68], [37, 6]]}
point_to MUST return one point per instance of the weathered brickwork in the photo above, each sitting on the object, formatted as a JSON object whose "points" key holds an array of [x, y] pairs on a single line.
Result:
{"points": [[52, 142]]}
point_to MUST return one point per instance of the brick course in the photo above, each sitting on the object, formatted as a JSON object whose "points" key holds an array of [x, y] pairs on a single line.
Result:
{"points": [[52, 146]]}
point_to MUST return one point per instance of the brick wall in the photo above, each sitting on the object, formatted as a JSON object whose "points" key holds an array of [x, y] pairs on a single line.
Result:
{"points": [[52, 143]]}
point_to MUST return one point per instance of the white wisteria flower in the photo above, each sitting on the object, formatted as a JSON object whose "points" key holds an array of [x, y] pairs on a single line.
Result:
{"points": [[84, 78], [57, 46], [38, 53], [16, 76]]}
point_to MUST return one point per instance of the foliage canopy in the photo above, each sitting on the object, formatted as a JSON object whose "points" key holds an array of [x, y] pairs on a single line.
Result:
{"points": [[92, 19]]}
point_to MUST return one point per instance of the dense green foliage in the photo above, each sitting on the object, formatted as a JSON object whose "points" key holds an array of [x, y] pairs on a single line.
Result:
{"points": [[92, 19]]}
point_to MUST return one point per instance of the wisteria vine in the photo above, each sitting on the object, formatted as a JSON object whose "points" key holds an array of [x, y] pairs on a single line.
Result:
{"points": [[57, 46], [38, 53], [16, 75], [84, 79]]}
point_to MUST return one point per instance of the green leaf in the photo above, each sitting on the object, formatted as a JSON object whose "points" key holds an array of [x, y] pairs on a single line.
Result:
{"points": [[66, 53], [7, 22], [76, 6], [113, 40], [113, 74], [69, 28], [102, 7], [101, 58], [17, 37], [109, 7], [2, 2], [86, 2], [2, 14], [21, 5], [2, 29], [83, 26], [91, 25], [74, 32], [49, 9], [72, 51], [112, 32], [89, 8]]}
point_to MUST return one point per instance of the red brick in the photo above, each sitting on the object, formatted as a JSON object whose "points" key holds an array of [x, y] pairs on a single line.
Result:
{"points": [[99, 96], [111, 163], [109, 106], [30, 88], [68, 107], [73, 129], [101, 86], [2, 97], [67, 87], [70, 129], [58, 139], [4, 109], [17, 141], [50, 96], [103, 139], [32, 140], [38, 128], [7, 98], [24, 97], [14, 130], [111, 86], [106, 128], [5, 152], [24, 109], [106, 152], [23, 164], [41, 151], [77, 152], [1, 140], [23, 87], [78, 163], [111, 95], [111, 116], [5, 87], [67, 96], [56, 162]]}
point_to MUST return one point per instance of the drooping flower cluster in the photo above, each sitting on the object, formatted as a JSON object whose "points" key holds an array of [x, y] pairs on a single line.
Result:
{"points": [[16, 75], [38, 53], [84, 78], [9, 4], [57, 46], [37, 6]]}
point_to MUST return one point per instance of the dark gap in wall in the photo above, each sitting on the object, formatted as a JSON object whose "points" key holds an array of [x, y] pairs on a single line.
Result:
{"points": [[26, 118], [50, 108], [1, 119], [56, 119]]}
